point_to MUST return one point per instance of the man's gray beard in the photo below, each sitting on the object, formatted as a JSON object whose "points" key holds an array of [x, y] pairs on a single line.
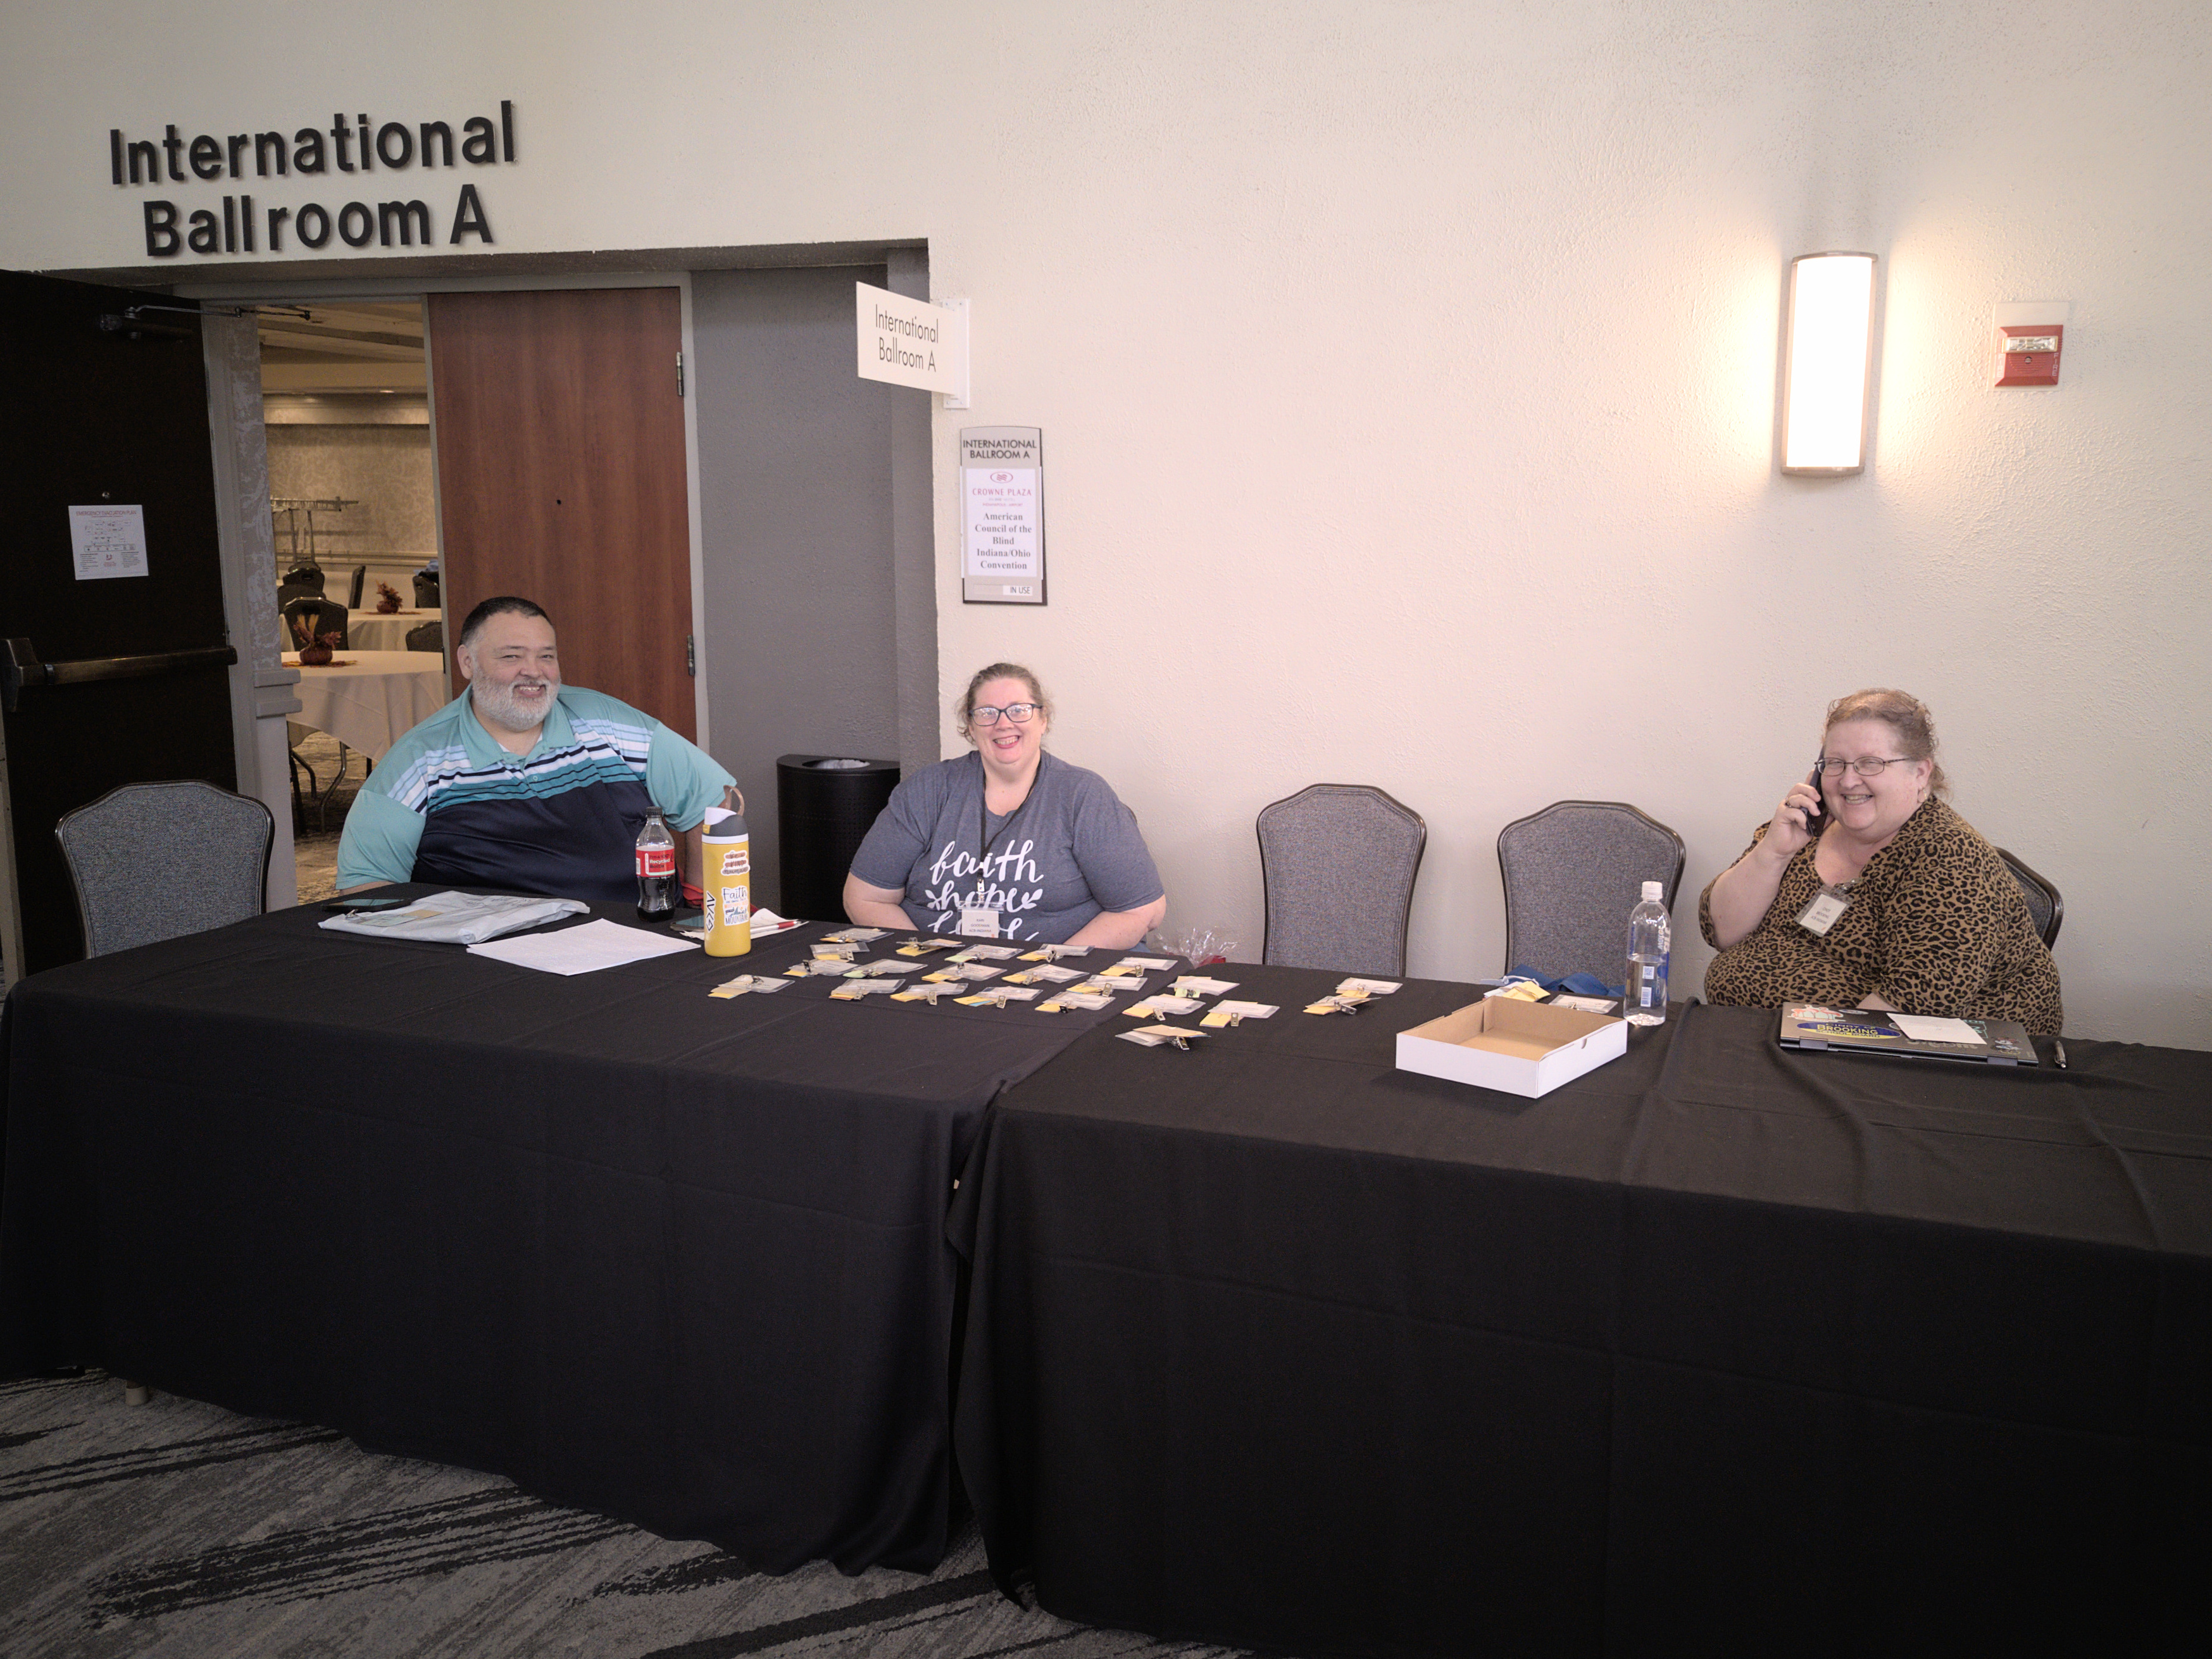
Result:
{"points": [[501, 708]]}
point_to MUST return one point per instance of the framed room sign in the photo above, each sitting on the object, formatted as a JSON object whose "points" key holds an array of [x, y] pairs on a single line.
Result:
{"points": [[1002, 514]]}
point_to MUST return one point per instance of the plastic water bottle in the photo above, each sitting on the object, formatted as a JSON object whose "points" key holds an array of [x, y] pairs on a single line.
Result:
{"points": [[1651, 937], [656, 870]]}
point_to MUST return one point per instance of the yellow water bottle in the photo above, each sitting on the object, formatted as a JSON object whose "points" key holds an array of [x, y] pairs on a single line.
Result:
{"points": [[727, 888]]}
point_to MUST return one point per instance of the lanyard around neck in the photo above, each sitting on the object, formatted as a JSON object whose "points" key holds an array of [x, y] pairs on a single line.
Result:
{"points": [[982, 814]]}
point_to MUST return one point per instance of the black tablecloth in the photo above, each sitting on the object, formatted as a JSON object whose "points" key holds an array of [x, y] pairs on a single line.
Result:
{"points": [[675, 1258], [1718, 1349]]}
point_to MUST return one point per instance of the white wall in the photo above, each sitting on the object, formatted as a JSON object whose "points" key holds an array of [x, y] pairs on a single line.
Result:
{"points": [[1407, 376]]}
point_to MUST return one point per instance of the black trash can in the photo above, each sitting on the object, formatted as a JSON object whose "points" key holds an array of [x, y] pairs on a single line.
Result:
{"points": [[824, 806]]}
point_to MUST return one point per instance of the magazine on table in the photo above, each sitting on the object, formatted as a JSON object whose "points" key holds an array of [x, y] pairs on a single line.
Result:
{"points": [[457, 917]]}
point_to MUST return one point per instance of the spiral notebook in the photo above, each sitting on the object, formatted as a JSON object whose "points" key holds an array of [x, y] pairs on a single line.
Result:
{"points": [[1866, 1031]]}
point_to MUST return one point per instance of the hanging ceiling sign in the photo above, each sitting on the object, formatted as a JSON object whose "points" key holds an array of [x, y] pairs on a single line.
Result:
{"points": [[1002, 514], [908, 342]]}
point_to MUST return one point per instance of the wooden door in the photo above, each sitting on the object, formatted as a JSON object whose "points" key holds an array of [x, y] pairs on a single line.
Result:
{"points": [[99, 409], [561, 477]]}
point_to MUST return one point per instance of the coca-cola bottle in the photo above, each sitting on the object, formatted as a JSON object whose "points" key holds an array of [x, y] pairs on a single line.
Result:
{"points": [[657, 882]]}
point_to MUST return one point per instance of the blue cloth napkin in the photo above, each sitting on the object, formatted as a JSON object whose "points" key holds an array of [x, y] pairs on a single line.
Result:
{"points": [[1575, 985]]}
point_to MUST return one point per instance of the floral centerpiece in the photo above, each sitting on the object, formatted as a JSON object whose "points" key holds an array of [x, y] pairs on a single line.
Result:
{"points": [[387, 601], [316, 651]]}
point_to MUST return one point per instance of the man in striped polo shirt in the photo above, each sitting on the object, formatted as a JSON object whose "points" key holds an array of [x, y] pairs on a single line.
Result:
{"points": [[521, 783]]}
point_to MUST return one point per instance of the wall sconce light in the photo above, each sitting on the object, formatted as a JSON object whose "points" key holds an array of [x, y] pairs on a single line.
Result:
{"points": [[1824, 397]]}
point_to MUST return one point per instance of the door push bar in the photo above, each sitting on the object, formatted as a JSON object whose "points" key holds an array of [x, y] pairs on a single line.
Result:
{"points": [[21, 669]]}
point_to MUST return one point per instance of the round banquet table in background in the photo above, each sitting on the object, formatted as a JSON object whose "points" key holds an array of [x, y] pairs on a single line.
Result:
{"points": [[373, 630], [377, 695]]}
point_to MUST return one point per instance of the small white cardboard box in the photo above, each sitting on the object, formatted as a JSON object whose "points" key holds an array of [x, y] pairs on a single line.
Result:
{"points": [[1522, 1048]]}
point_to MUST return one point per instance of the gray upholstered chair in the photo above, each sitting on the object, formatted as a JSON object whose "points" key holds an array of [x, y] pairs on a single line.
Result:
{"points": [[2044, 906], [353, 588], [1339, 860], [1573, 874], [151, 861], [427, 637], [426, 589]]}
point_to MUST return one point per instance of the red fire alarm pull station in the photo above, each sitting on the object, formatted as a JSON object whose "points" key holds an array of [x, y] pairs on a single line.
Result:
{"points": [[2028, 355]]}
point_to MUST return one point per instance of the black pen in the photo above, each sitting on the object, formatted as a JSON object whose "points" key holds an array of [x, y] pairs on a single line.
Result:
{"points": [[2059, 1052]]}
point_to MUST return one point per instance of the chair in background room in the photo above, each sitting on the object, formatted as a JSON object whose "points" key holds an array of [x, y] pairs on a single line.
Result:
{"points": [[301, 581], [1573, 874], [310, 617], [1338, 861], [2044, 906], [151, 861], [429, 636], [426, 590], [353, 590]]}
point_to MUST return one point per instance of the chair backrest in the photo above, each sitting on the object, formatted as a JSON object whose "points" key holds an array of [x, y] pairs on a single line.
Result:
{"points": [[2045, 907], [426, 588], [308, 576], [1573, 874], [353, 589], [429, 636], [291, 591], [1338, 860], [153, 861], [310, 617]]}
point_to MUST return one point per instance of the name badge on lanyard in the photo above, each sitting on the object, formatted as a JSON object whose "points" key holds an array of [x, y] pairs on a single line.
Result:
{"points": [[978, 924], [1823, 912]]}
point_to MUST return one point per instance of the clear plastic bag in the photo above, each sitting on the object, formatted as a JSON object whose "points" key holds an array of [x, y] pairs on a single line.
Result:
{"points": [[1197, 945]]}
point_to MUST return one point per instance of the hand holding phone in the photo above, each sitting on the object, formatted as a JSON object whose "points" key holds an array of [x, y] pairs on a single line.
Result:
{"points": [[1818, 815]]}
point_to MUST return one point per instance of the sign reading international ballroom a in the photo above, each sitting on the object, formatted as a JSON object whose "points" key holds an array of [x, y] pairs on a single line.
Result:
{"points": [[1002, 515], [387, 168]]}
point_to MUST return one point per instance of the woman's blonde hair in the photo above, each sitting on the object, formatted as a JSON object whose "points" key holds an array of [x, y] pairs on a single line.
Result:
{"points": [[1904, 714], [997, 671]]}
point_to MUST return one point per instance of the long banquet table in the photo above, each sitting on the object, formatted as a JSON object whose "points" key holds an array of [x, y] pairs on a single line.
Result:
{"points": [[678, 1259], [1718, 1349]]}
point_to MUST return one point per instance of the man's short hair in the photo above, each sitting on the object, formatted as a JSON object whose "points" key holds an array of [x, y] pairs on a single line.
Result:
{"points": [[501, 606]]}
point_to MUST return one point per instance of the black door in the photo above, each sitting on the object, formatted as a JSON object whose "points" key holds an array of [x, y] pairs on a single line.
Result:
{"points": [[100, 409]]}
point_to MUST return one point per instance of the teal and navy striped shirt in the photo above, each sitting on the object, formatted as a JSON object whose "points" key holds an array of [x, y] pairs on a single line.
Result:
{"points": [[448, 805]]}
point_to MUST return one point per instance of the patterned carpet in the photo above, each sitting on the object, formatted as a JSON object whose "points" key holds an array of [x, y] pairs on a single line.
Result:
{"points": [[176, 1528]]}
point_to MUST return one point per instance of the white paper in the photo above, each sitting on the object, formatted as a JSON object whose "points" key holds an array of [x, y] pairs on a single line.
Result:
{"points": [[1146, 961], [583, 950], [1248, 1010], [1928, 1028], [1156, 1036], [1163, 1004], [1198, 985], [108, 540], [1374, 987]]}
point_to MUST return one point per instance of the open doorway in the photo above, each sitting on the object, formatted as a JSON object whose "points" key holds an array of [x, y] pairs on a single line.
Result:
{"points": [[353, 499]]}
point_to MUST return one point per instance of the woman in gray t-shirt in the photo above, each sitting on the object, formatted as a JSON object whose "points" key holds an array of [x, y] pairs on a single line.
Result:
{"points": [[1007, 842]]}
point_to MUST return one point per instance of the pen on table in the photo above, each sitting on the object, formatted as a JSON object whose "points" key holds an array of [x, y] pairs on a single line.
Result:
{"points": [[2059, 1052]]}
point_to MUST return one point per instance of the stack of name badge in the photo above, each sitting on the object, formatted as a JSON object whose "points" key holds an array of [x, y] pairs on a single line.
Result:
{"points": [[1125, 978], [1182, 999], [746, 984], [1352, 994]]}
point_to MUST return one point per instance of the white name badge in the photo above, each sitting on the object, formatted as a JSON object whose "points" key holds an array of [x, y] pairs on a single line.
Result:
{"points": [[978, 924], [1827, 905]]}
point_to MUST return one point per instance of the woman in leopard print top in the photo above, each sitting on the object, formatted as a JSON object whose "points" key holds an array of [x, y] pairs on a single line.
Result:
{"points": [[1934, 924]]}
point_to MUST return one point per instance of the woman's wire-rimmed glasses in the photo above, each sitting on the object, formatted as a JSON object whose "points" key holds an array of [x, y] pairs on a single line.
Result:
{"points": [[1019, 713], [1867, 766]]}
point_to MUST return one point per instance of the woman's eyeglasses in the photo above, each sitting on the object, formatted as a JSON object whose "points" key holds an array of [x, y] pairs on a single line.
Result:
{"points": [[1867, 766], [1018, 712]]}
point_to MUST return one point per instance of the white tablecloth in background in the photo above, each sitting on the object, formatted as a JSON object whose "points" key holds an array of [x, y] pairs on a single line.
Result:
{"points": [[368, 704], [371, 630]]}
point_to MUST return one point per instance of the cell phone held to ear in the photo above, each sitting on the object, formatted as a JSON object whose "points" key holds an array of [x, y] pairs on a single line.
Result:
{"points": [[1819, 814]]}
